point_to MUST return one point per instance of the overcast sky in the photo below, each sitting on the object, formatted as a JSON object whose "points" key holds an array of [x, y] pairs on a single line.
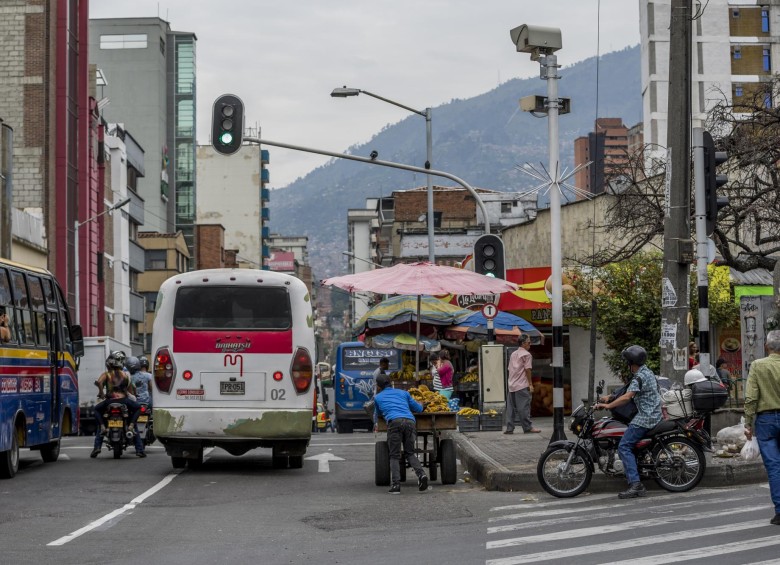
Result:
{"points": [[283, 58]]}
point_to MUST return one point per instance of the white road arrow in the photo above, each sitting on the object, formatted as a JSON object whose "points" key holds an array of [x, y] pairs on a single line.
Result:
{"points": [[323, 459]]}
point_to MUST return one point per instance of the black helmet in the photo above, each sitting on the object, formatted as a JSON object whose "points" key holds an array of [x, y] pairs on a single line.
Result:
{"points": [[144, 362], [133, 365], [382, 382], [634, 355], [116, 360]]}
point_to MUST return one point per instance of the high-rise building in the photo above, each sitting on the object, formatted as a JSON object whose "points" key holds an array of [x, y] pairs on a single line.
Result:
{"points": [[606, 147], [734, 46], [149, 86]]}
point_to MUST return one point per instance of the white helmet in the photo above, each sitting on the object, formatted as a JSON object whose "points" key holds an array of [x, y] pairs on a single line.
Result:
{"points": [[694, 376]]}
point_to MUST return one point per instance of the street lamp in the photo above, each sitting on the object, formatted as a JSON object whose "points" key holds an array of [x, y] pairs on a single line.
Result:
{"points": [[345, 92], [353, 256], [76, 226]]}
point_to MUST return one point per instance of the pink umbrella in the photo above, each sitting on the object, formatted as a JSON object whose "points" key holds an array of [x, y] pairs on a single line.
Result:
{"points": [[418, 279], [421, 278]]}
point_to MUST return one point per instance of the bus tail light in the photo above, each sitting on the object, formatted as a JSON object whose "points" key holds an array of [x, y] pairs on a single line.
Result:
{"points": [[302, 370], [164, 370]]}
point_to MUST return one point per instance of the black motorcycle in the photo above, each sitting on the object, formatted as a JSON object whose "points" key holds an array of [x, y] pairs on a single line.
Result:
{"points": [[119, 435], [145, 424], [672, 453]]}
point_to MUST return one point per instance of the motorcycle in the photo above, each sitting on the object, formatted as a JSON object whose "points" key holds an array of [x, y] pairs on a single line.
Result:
{"points": [[672, 453], [145, 424], [119, 436]]}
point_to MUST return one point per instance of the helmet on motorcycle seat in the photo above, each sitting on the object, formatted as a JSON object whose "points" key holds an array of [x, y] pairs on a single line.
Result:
{"points": [[144, 362], [634, 355], [694, 376], [133, 365], [116, 360]]}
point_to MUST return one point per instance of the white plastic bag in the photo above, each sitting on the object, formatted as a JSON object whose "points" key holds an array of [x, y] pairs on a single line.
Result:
{"points": [[732, 434], [750, 450]]}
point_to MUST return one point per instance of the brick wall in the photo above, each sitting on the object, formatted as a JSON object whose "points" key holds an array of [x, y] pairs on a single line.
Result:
{"points": [[456, 205], [210, 245]]}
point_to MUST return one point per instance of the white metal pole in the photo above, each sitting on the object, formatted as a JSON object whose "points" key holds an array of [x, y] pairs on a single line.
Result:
{"points": [[429, 157], [76, 291], [550, 65], [701, 249]]}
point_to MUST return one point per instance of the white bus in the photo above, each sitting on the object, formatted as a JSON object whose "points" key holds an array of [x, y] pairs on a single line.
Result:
{"points": [[233, 365]]}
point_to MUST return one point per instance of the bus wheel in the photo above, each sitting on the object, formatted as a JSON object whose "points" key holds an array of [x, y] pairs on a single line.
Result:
{"points": [[9, 460], [50, 452], [280, 461], [296, 461]]}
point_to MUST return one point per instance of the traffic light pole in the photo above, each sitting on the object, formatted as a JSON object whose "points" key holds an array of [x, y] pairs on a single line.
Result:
{"points": [[390, 164], [702, 247]]}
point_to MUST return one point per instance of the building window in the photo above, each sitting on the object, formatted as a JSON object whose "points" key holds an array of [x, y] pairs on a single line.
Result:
{"points": [[735, 12], [768, 100], [151, 300], [506, 207], [764, 20], [155, 259], [737, 52], [162, 46], [767, 60], [135, 41], [738, 91]]}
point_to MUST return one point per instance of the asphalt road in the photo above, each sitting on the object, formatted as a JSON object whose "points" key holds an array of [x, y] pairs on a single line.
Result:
{"points": [[241, 510]]}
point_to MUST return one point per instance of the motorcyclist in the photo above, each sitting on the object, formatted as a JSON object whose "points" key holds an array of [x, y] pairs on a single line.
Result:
{"points": [[643, 390], [140, 378], [118, 388]]}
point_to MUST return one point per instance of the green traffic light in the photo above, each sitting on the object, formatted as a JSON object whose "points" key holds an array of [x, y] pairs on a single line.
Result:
{"points": [[226, 138], [493, 275]]}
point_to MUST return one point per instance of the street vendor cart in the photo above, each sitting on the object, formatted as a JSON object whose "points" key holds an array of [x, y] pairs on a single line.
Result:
{"points": [[432, 451]]}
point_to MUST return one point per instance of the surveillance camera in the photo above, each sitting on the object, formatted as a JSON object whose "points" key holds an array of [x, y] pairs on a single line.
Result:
{"points": [[536, 40], [374, 155]]}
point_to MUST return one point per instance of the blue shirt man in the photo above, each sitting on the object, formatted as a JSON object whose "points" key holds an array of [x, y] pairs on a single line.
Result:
{"points": [[643, 390], [396, 406], [141, 381]]}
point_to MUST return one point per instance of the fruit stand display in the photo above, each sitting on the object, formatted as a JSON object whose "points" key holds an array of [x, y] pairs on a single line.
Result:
{"points": [[433, 451]]}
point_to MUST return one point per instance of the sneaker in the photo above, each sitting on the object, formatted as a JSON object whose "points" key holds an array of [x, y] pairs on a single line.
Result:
{"points": [[140, 454], [395, 489], [95, 452], [634, 490], [508, 432], [775, 520], [422, 483]]}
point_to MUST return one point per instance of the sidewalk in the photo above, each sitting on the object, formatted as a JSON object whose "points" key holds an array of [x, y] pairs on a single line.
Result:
{"points": [[508, 462]]}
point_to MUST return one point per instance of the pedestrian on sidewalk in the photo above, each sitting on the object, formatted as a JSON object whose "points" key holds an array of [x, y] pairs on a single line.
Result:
{"points": [[396, 406], [521, 387], [762, 413], [643, 390]]}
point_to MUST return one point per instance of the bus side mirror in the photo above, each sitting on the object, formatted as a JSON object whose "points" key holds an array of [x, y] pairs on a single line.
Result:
{"points": [[77, 340]]}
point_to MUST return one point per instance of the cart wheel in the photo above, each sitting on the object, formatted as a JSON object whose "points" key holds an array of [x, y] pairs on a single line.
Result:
{"points": [[381, 464], [432, 471], [448, 465]]}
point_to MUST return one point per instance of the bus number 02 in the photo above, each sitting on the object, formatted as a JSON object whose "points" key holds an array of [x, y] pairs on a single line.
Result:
{"points": [[277, 394]]}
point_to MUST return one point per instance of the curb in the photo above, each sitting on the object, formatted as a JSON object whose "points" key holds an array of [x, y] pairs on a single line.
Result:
{"points": [[496, 477]]}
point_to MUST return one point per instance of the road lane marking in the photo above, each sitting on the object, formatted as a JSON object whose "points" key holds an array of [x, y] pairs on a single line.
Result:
{"points": [[129, 506], [703, 552], [574, 552], [323, 460], [317, 444]]}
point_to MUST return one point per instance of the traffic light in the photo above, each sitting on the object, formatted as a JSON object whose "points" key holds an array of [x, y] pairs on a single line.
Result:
{"points": [[227, 124], [489, 256], [712, 181]]}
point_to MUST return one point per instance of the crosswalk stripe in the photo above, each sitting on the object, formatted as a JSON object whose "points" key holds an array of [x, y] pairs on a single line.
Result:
{"points": [[610, 528], [623, 505], [588, 516], [625, 544], [703, 552]]}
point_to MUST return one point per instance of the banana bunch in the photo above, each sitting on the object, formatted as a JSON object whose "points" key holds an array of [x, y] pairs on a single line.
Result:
{"points": [[491, 413], [405, 374], [434, 402], [468, 412], [470, 378]]}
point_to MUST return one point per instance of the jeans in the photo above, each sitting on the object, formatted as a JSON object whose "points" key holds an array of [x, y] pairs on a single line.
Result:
{"points": [[767, 431], [626, 450], [402, 432], [518, 407]]}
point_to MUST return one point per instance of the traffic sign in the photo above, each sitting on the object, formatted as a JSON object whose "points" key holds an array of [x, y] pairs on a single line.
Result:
{"points": [[489, 311]]}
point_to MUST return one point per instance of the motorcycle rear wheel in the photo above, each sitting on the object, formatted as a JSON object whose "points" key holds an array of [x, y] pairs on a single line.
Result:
{"points": [[560, 483], [684, 469]]}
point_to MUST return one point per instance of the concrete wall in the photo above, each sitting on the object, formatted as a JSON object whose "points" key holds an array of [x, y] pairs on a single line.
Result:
{"points": [[229, 194]]}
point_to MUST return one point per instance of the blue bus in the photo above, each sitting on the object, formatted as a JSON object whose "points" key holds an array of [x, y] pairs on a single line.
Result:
{"points": [[39, 351], [353, 383]]}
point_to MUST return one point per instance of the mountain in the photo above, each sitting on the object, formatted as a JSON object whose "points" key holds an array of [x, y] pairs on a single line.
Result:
{"points": [[480, 140]]}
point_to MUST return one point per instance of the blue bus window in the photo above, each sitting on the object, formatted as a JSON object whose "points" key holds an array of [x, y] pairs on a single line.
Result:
{"points": [[48, 291], [36, 293]]}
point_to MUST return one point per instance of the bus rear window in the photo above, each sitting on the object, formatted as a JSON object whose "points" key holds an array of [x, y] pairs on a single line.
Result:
{"points": [[231, 307]]}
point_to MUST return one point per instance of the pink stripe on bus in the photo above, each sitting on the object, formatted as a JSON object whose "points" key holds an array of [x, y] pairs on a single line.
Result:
{"points": [[185, 341]]}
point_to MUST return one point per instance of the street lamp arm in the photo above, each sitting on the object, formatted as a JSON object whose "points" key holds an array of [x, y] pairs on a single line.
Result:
{"points": [[424, 114], [106, 211], [390, 164]]}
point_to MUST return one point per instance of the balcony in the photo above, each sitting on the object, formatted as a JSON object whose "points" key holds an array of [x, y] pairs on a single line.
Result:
{"points": [[265, 156], [265, 214], [265, 194], [136, 208], [266, 232], [137, 257], [136, 307], [265, 175]]}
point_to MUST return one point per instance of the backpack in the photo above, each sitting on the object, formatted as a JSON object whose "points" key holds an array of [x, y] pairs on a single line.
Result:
{"points": [[626, 412]]}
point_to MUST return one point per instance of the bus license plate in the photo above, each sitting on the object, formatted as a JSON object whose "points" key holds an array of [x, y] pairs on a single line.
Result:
{"points": [[115, 423], [232, 387], [143, 418]]}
